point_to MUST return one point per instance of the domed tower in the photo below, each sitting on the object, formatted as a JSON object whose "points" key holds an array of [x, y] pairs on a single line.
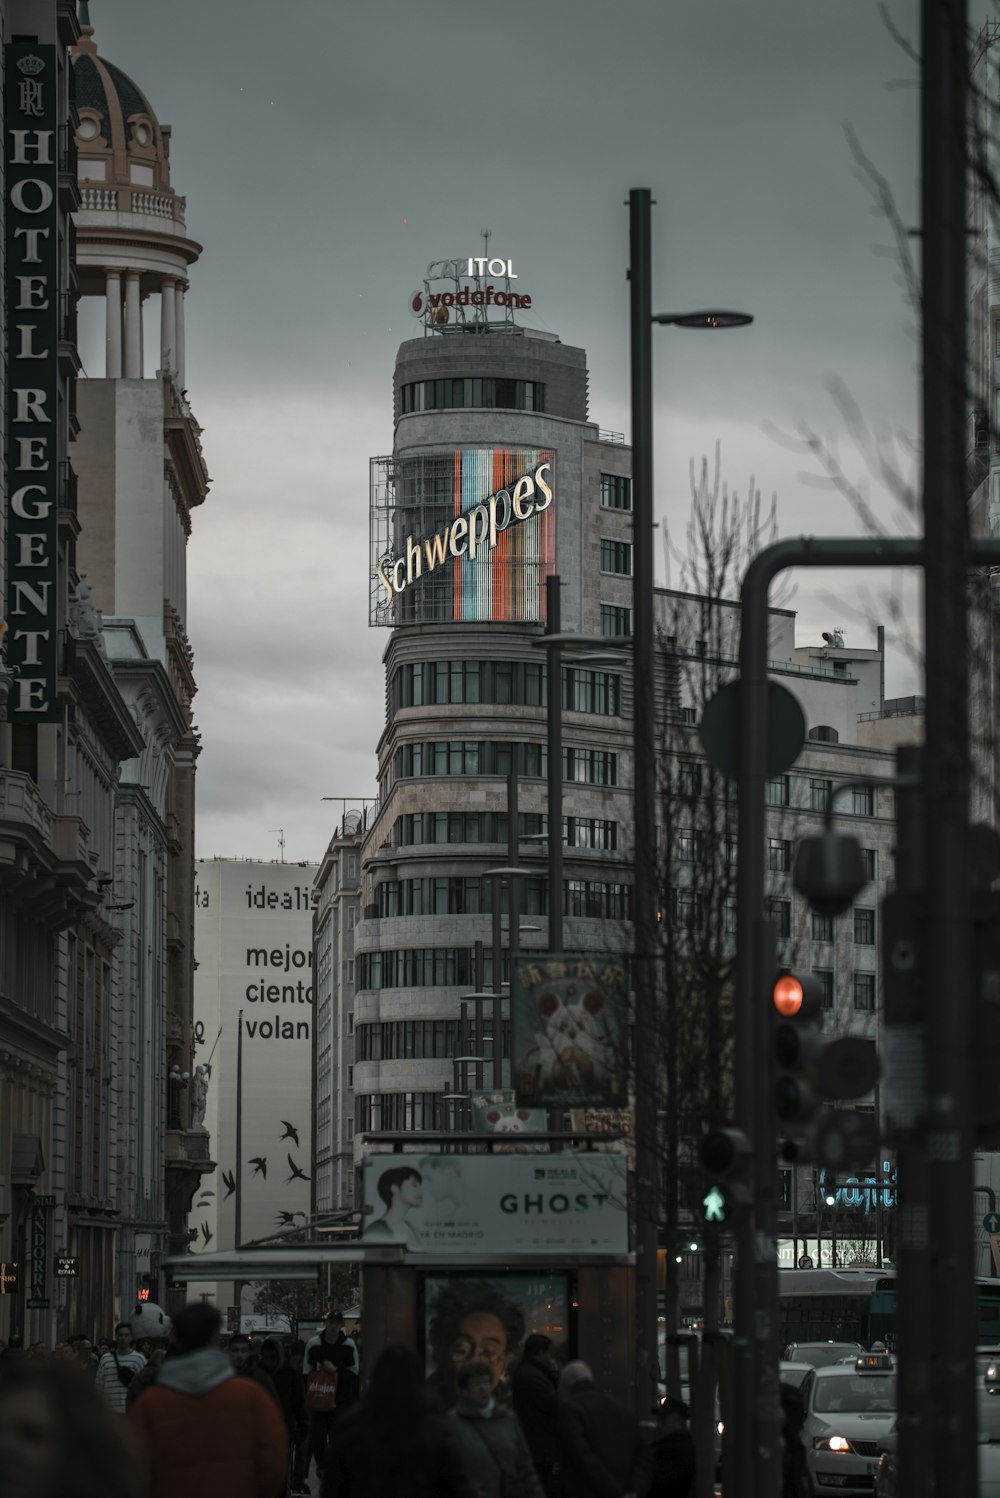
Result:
{"points": [[140, 474], [132, 241]]}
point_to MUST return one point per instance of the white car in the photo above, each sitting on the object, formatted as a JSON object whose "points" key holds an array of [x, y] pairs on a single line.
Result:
{"points": [[988, 1411], [850, 1409]]}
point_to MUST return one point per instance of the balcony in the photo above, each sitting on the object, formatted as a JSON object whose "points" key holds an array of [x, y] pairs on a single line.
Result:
{"points": [[44, 857]]}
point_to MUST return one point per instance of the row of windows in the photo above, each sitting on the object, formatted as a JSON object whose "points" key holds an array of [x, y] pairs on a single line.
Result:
{"points": [[491, 827], [519, 683], [460, 895], [688, 911], [416, 967], [488, 393], [863, 987], [616, 492], [398, 1112], [418, 1040], [489, 757], [862, 803]]}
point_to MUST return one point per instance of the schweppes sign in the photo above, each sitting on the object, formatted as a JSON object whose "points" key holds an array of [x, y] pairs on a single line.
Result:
{"points": [[471, 533]]}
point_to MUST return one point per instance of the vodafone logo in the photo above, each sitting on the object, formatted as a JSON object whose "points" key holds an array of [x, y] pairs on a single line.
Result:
{"points": [[418, 304]]}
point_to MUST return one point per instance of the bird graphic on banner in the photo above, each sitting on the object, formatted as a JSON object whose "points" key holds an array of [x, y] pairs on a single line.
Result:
{"points": [[206, 1233], [291, 1132], [259, 1164], [228, 1180], [297, 1174]]}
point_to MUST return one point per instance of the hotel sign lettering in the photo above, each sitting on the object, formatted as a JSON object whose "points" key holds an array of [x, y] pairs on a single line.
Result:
{"points": [[32, 292]]}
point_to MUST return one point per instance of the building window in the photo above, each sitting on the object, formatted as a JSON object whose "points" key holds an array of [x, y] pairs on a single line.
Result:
{"points": [[864, 991], [689, 715], [822, 926], [350, 1174], [689, 777], [616, 492], [350, 1076], [616, 556], [819, 791], [729, 917], [778, 791], [352, 916], [780, 912], [486, 393], [779, 855], [616, 622], [863, 801], [825, 977], [350, 1022], [689, 847], [350, 969], [868, 856], [864, 927], [350, 1128]]}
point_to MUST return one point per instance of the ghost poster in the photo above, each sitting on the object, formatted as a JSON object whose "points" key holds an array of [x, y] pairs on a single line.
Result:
{"points": [[570, 1029]]}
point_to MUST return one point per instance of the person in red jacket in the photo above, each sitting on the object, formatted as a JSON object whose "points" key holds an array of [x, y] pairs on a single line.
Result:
{"points": [[202, 1431]]}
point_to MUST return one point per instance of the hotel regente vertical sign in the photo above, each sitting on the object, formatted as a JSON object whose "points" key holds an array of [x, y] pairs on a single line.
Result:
{"points": [[32, 292]]}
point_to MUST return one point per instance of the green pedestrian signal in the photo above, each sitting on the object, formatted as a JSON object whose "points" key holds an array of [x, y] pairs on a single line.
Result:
{"points": [[725, 1157], [715, 1205]]}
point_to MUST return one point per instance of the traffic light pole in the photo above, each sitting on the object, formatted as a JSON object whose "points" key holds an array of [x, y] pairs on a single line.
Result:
{"points": [[755, 1341]]}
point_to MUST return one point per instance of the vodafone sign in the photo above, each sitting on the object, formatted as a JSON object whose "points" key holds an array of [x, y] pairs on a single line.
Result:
{"points": [[438, 308]]}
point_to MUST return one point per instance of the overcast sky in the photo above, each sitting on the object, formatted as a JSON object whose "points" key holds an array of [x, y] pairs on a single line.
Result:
{"points": [[328, 151]]}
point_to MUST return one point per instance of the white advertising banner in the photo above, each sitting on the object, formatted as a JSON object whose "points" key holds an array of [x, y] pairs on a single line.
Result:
{"points": [[496, 1204], [253, 945]]}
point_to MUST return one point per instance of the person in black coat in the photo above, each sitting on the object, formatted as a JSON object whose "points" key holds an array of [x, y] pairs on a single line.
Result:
{"points": [[673, 1453], [536, 1405], [288, 1386], [397, 1442]]}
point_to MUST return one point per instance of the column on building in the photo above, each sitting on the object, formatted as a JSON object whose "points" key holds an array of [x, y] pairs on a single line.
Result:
{"points": [[179, 335], [133, 326], [168, 324], [113, 324]]}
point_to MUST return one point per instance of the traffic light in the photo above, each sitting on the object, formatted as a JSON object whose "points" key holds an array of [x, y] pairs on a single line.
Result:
{"points": [[797, 1006], [725, 1156], [810, 1071]]}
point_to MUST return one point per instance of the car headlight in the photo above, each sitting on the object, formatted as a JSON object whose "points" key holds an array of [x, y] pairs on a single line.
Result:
{"points": [[831, 1443]]}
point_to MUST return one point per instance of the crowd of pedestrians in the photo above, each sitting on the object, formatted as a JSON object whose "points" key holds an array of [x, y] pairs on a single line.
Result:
{"points": [[191, 1418]]}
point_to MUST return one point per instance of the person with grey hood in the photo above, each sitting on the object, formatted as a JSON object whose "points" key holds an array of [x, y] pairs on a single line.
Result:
{"points": [[494, 1450], [201, 1430]]}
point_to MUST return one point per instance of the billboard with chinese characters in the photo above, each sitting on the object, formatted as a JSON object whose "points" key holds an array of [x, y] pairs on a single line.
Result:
{"points": [[466, 535], [496, 1204], [569, 1013]]}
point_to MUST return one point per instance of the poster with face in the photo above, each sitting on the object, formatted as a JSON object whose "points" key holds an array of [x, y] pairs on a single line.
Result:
{"points": [[570, 1029], [485, 1319], [497, 1112]]}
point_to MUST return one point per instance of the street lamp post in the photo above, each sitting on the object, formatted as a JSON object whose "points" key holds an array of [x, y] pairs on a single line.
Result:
{"points": [[644, 768]]}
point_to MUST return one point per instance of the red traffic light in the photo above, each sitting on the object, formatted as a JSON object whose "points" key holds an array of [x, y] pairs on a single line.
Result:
{"points": [[787, 995]]}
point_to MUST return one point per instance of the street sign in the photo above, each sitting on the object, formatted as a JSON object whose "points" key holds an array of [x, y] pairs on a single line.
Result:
{"points": [[8, 1279], [67, 1268], [786, 729], [43, 1201], [991, 1222], [39, 1255], [805, 1261]]}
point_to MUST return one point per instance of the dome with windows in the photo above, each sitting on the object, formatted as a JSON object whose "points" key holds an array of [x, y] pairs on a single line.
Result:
{"points": [[122, 148]]}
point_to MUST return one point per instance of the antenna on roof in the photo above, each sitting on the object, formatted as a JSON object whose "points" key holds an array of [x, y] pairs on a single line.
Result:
{"points": [[281, 840]]}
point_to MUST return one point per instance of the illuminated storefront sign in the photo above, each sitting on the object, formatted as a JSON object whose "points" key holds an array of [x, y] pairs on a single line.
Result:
{"points": [[32, 246], [466, 535]]}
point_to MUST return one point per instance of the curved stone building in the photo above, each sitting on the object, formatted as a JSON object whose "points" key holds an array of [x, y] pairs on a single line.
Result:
{"points": [[497, 479]]}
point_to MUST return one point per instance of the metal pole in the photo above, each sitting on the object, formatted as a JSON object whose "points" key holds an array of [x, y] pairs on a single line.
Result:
{"points": [[949, 1122], [513, 923], [238, 1203], [644, 795], [553, 669]]}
